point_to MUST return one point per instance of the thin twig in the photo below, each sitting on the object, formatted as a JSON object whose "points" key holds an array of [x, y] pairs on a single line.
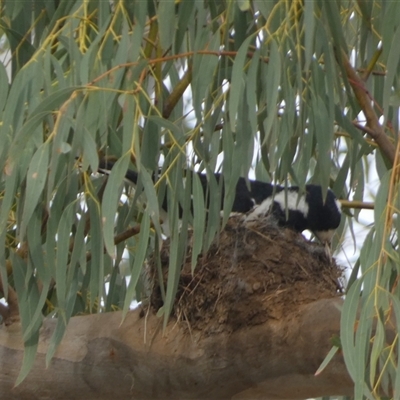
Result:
{"points": [[372, 64], [172, 58], [126, 234], [376, 73], [119, 238], [357, 204], [363, 128]]}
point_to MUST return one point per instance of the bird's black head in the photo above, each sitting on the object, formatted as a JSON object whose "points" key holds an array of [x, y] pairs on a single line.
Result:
{"points": [[323, 217]]}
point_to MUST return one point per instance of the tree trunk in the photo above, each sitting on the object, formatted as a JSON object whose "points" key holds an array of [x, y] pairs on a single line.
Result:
{"points": [[101, 359]]}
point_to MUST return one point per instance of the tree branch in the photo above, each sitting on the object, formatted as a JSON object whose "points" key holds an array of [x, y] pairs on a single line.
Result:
{"points": [[126, 234], [105, 359], [357, 204], [177, 93], [360, 91]]}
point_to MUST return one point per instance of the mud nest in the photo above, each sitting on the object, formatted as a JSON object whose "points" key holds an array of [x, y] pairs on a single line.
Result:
{"points": [[251, 273]]}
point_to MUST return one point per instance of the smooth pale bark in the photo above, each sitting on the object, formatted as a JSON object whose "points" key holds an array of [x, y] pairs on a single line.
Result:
{"points": [[101, 359]]}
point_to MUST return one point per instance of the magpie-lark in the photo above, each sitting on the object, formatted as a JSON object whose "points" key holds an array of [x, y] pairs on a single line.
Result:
{"points": [[258, 199]]}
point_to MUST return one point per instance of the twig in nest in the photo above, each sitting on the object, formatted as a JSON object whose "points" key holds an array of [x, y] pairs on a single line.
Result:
{"points": [[197, 284], [145, 323], [307, 273], [178, 318], [186, 288], [188, 324], [268, 239], [216, 301], [260, 261], [272, 295]]}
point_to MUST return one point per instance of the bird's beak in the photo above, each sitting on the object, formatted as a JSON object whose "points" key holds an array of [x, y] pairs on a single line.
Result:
{"points": [[325, 237], [328, 250]]}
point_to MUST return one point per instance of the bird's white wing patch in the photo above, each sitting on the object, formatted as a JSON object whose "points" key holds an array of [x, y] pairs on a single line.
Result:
{"points": [[260, 210], [293, 202]]}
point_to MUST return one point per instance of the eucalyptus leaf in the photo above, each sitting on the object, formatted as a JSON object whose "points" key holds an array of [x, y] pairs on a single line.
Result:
{"points": [[37, 174]]}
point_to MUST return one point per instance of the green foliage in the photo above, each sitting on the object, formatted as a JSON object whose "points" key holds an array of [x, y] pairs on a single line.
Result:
{"points": [[267, 83]]}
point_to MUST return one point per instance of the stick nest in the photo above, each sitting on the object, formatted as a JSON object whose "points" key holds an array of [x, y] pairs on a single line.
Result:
{"points": [[251, 274]]}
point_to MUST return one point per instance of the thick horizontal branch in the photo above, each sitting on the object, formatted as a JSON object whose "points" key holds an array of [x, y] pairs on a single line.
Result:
{"points": [[100, 358]]}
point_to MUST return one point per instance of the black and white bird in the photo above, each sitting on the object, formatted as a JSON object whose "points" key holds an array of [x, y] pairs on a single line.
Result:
{"points": [[291, 208]]}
